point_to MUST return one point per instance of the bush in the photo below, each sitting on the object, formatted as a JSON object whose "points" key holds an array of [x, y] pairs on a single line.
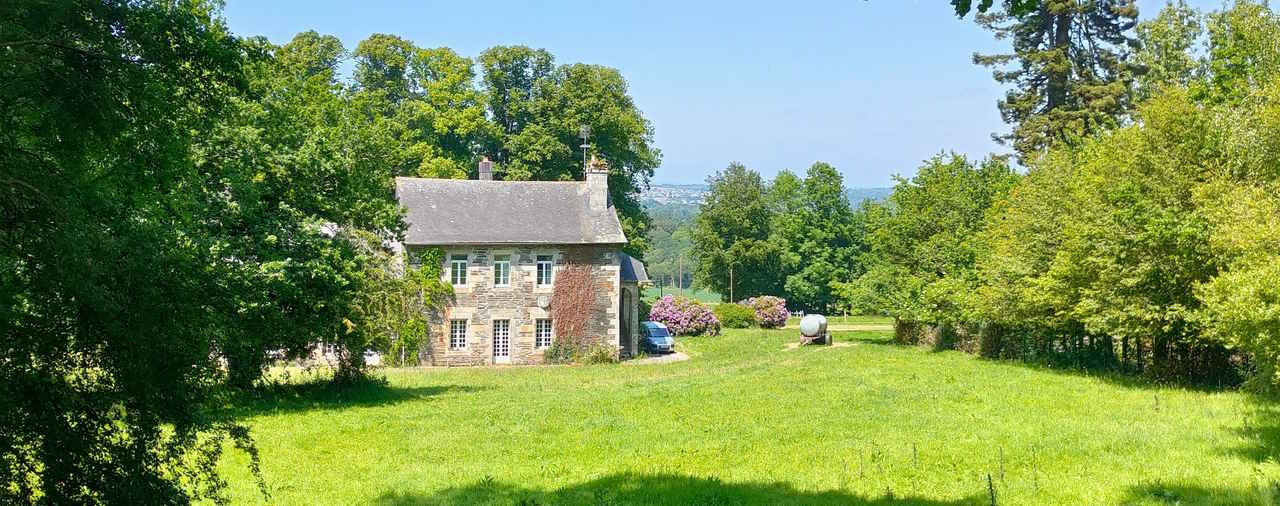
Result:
{"points": [[569, 351], [735, 316], [684, 316], [770, 312], [561, 351], [907, 332], [598, 353]]}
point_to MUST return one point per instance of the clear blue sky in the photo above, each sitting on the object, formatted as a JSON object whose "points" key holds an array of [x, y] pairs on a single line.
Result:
{"points": [[871, 87]]}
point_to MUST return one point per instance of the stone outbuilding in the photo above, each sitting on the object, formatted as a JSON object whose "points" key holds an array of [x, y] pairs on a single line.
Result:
{"points": [[502, 244]]}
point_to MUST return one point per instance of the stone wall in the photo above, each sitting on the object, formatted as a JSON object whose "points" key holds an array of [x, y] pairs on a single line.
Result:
{"points": [[480, 302]]}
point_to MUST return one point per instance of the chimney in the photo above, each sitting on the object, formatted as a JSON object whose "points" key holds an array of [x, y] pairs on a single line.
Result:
{"points": [[486, 169], [597, 175]]}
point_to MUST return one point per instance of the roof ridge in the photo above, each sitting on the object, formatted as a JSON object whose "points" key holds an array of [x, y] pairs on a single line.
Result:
{"points": [[471, 211], [443, 179]]}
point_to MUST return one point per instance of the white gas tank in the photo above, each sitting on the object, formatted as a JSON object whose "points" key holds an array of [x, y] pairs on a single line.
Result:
{"points": [[813, 325]]}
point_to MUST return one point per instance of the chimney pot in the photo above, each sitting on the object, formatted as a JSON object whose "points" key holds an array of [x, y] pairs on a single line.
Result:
{"points": [[486, 169]]}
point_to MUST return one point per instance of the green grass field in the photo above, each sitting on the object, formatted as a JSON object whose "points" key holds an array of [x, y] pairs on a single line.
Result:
{"points": [[745, 421], [833, 320], [652, 293]]}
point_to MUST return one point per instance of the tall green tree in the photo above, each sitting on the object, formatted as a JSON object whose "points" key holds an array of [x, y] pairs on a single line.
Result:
{"points": [[105, 278], [296, 180], [312, 54], [821, 235], [429, 101], [1166, 57], [538, 108], [731, 237], [922, 241], [382, 66], [1243, 55], [1070, 70]]}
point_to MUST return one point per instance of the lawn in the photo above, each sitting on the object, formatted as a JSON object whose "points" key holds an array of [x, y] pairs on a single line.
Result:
{"points": [[652, 293], [745, 421], [838, 321]]}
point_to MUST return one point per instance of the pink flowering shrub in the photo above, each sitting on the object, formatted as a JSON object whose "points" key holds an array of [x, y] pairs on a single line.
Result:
{"points": [[684, 316], [771, 312]]}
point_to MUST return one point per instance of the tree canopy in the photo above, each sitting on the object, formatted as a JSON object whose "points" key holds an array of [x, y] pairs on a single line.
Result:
{"points": [[1145, 245], [789, 237], [1070, 68]]}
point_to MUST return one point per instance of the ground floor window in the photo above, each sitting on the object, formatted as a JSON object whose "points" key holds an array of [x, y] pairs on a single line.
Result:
{"points": [[457, 334], [542, 333], [501, 338]]}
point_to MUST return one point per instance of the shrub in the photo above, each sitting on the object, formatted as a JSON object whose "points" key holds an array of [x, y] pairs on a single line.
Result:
{"points": [[560, 352], [907, 332], [770, 312], [735, 316], [598, 353], [684, 316], [569, 351]]}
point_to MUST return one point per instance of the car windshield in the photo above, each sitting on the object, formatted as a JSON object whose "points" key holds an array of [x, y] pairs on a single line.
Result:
{"points": [[658, 332]]}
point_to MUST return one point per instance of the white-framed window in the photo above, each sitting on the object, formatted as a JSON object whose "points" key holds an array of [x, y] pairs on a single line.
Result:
{"points": [[458, 269], [502, 270], [542, 333], [501, 339], [457, 334], [545, 268]]}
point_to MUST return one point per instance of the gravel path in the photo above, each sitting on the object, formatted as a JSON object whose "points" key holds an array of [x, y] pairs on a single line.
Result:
{"points": [[660, 359]]}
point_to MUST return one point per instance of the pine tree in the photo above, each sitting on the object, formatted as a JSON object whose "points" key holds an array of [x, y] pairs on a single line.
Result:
{"points": [[1073, 74]]}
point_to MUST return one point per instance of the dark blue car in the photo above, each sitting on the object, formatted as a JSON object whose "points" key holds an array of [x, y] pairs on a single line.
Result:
{"points": [[656, 338]]}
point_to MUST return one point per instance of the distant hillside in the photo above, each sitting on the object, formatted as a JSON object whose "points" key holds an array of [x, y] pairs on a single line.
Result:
{"points": [[857, 195], [692, 194]]}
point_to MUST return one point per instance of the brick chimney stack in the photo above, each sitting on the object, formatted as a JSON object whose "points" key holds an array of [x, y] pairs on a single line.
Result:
{"points": [[597, 175], [486, 169]]}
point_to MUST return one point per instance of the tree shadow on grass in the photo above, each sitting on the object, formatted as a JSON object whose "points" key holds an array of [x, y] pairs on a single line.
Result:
{"points": [[1168, 493], [285, 397], [630, 488], [1105, 373], [1261, 430], [864, 337]]}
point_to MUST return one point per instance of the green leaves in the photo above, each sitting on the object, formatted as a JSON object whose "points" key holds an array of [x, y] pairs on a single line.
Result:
{"points": [[106, 365], [923, 240], [1071, 74], [1012, 7], [792, 237], [524, 115]]}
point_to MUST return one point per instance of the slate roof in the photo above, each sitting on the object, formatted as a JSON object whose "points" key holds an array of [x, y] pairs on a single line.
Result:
{"points": [[633, 269], [460, 211]]}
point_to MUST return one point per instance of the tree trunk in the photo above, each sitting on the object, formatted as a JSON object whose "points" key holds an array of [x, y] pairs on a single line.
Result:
{"points": [[1061, 67]]}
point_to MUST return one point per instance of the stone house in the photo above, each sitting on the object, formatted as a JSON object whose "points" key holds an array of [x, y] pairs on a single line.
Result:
{"points": [[503, 243]]}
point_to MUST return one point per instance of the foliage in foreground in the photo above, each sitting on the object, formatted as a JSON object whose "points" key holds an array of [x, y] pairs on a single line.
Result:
{"points": [[106, 268]]}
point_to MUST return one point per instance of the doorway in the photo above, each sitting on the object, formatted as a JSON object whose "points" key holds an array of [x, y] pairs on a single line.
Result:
{"points": [[502, 341], [625, 314]]}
